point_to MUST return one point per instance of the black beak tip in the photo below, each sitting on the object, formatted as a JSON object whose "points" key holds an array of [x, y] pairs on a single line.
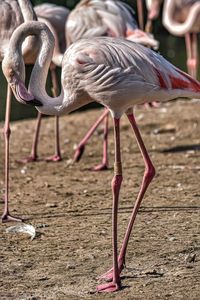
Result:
{"points": [[34, 102]]}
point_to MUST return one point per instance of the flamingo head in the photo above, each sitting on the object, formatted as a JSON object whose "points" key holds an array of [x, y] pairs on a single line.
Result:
{"points": [[14, 71]]}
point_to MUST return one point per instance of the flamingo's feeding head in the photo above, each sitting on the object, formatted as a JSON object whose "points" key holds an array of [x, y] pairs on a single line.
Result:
{"points": [[14, 70]]}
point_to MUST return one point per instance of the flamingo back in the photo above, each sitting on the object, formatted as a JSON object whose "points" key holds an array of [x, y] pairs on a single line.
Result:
{"points": [[100, 18], [119, 74]]}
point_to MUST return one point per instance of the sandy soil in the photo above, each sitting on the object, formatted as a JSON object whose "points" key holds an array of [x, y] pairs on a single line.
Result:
{"points": [[71, 208]]}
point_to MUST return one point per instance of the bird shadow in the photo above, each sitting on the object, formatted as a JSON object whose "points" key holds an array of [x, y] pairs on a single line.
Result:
{"points": [[182, 148], [107, 211]]}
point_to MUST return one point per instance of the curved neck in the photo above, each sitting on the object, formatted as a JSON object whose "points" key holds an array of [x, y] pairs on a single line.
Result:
{"points": [[40, 70], [179, 28], [57, 54]]}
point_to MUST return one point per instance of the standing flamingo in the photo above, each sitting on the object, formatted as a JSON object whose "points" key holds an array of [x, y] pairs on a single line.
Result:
{"points": [[114, 72], [55, 18], [103, 18], [182, 18], [13, 13], [153, 7]]}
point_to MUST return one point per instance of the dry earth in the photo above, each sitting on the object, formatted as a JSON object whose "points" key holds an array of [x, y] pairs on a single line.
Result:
{"points": [[71, 208]]}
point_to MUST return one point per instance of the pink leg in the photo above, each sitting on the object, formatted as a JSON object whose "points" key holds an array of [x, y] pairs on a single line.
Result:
{"points": [[6, 215], [116, 184], [147, 178], [140, 14], [104, 164], [33, 156], [57, 155], [192, 53], [81, 146], [149, 26], [195, 55]]}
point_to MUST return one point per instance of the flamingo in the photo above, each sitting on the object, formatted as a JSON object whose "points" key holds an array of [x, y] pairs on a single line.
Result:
{"points": [[13, 13], [153, 7], [114, 72], [103, 18], [182, 18], [54, 17]]}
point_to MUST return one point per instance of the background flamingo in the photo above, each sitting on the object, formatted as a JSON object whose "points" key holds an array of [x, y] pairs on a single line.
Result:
{"points": [[153, 7], [55, 18], [182, 18], [91, 71], [13, 13], [103, 18]]}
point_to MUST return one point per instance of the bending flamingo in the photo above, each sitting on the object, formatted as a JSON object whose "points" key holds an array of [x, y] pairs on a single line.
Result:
{"points": [[13, 13], [182, 18], [103, 18], [114, 72]]}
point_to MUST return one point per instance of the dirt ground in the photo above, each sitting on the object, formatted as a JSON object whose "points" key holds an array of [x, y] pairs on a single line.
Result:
{"points": [[71, 209]]}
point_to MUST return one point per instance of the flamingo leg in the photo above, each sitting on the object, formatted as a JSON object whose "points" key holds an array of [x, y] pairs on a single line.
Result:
{"points": [[104, 164], [116, 184], [80, 148], [195, 54], [57, 155], [147, 178], [6, 217], [192, 53], [140, 14], [149, 26], [33, 156]]}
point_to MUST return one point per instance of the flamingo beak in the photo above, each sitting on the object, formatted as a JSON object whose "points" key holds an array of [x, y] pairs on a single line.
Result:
{"points": [[21, 93]]}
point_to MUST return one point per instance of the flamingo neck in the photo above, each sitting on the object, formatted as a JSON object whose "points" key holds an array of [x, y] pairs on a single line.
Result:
{"points": [[30, 45], [57, 54], [38, 78], [39, 73], [175, 27], [27, 10]]}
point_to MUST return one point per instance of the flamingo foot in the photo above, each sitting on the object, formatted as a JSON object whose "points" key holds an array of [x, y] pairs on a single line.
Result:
{"points": [[54, 158], [6, 217], [78, 153], [108, 287], [108, 276], [101, 167], [27, 159]]}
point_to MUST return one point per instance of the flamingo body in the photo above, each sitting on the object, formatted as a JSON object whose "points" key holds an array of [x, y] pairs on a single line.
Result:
{"points": [[13, 13], [112, 71], [139, 74]]}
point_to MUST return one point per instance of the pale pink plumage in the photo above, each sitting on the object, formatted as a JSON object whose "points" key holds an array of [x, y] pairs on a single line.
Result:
{"points": [[92, 18], [13, 13], [114, 72]]}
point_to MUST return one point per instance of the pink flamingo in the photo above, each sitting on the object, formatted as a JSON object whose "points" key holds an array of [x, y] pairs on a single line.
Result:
{"points": [[182, 18], [153, 7], [55, 18], [114, 72], [103, 18], [13, 13]]}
